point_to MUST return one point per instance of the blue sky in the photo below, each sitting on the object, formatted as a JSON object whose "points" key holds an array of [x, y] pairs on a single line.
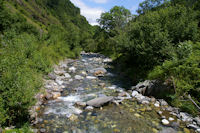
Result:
{"points": [[92, 9]]}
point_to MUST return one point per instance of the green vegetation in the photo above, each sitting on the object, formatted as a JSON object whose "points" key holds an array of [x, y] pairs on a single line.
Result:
{"points": [[161, 42], [34, 35]]}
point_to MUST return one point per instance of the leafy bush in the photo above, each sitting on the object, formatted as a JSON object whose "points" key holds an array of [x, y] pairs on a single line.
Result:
{"points": [[183, 69], [27, 52]]}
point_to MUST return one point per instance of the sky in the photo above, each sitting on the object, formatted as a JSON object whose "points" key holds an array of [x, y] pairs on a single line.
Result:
{"points": [[92, 9]]}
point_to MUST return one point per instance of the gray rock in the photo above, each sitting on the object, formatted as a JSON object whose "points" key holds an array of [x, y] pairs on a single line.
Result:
{"points": [[165, 122], [91, 77], [102, 84], [72, 69], [89, 108], [163, 102], [175, 125], [59, 72], [78, 77], [63, 65], [107, 60], [78, 89], [100, 70], [52, 76], [83, 104], [192, 126], [59, 82], [197, 120], [134, 93], [42, 130], [112, 87], [157, 104], [185, 117], [48, 96], [151, 87], [145, 102], [98, 102], [67, 75]]}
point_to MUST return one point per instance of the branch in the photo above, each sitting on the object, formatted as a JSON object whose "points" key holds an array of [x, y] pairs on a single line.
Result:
{"points": [[193, 102]]}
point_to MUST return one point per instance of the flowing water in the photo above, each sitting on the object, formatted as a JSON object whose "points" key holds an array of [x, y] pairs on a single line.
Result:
{"points": [[62, 115]]}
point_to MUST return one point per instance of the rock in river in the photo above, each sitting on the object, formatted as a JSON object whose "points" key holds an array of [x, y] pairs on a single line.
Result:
{"points": [[78, 77], [165, 122], [98, 102], [98, 71]]}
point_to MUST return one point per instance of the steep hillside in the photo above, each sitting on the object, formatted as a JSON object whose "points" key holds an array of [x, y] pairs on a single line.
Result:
{"points": [[34, 35]]}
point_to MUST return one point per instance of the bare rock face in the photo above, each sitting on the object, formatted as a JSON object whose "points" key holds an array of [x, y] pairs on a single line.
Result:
{"points": [[98, 102]]}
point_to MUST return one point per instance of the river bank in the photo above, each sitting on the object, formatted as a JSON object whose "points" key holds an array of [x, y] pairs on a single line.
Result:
{"points": [[86, 95]]}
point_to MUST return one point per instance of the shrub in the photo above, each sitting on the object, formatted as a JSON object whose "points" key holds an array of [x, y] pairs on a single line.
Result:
{"points": [[183, 69]]}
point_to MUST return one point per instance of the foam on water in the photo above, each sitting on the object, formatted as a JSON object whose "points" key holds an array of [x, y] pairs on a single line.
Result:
{"points": [[70, 98]]}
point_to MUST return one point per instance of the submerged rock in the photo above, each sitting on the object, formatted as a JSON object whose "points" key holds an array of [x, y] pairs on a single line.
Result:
{"points": [[168, 130], [73, 117], [98, 102]]}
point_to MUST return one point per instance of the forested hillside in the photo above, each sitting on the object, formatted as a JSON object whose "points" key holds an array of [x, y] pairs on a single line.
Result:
{"points": [[161, 42], [34, 35]]}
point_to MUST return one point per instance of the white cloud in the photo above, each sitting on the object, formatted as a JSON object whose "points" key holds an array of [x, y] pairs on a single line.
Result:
{"points": [[90, 13], [100, 1]]}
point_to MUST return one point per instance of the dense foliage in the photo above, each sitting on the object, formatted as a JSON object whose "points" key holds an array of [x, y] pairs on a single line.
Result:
{"points": [[33, 36], [159, 43]]}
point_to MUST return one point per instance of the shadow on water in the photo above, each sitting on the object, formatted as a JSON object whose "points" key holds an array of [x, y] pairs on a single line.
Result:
{"points": [[114, 77]]}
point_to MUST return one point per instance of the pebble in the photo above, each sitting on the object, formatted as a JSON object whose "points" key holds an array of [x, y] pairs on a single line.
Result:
{"points": [[89, 108], [67, 75], [91, 77], [137, 115], [171, 119], [83, 104], [72, 69], [42, 130], [134, 93], [73, 117], [84, 73], [78, 77], [165, 122], [157, 104]]}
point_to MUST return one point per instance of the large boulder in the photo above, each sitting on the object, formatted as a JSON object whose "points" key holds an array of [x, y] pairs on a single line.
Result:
{"points": [[152, 88], [100, 101]]}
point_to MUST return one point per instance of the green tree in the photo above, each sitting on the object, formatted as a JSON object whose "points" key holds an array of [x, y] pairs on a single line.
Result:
{"points": [[117, 17], [149, 5]]}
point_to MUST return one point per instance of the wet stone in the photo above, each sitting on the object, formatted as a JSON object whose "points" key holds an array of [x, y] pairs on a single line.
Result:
{"points": [[165, 122]]}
